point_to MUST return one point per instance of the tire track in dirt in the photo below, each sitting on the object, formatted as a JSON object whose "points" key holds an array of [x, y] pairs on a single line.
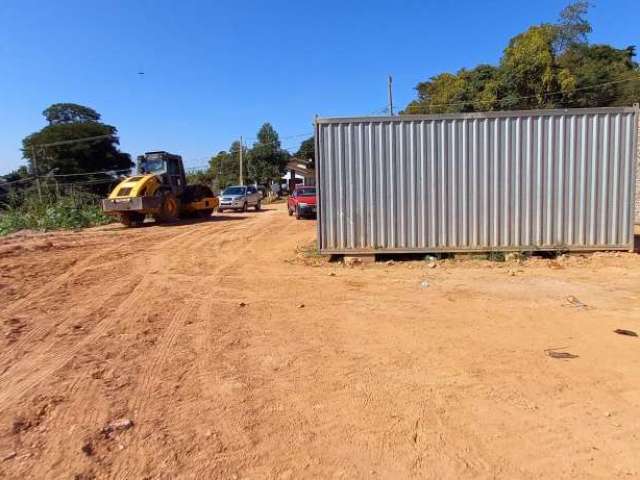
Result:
{"points": [[90, 418], [59, 281], [211, 344], [162, 351], [129, 466], [92, 260], [462, 453], [377, 381], [148, 385], [53, 362], [42, 328], [56, 288], [156, 257], [214, 341], [21, 378], [46, 331]]}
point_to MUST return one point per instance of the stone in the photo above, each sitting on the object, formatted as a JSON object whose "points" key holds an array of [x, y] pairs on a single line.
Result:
{"points": [[118, 425], [87, 448]]}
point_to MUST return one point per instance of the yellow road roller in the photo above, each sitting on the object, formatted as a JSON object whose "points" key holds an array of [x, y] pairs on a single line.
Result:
{"points": [[159, 189]]}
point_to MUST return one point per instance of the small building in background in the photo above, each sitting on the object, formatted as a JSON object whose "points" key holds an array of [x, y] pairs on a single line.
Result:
{"points": [[298, 172]]}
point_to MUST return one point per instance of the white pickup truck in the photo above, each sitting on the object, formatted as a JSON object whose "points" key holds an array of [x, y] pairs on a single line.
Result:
{"points": [[240, 198]]}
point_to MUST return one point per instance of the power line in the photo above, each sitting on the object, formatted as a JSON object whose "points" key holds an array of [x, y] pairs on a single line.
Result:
{"points": [[67, 142], [88, 182], [94, 181], [288, 137], [246, 148], [65, 175], [275, 142], [124, 170], [27, 179], [128, 170]]}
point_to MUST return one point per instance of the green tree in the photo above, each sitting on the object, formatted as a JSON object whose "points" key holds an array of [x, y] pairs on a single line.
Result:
{"points": [[547, 66], [465, 91], [200, 177], [66, 125], [611, 70], [529, 73], [266, 159], [307, 151], [482, 86], [442, 93], [70, 113], [225, 165], [573, 28]]}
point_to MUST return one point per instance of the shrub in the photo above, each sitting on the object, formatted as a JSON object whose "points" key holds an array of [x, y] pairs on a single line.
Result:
{"points": [[52, 213]]}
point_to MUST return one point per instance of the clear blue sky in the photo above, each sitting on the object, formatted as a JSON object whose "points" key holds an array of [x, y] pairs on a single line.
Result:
{"points": [[215, 70]]}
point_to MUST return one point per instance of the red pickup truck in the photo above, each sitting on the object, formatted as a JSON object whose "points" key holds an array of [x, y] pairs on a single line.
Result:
{"points": [[302, 202]]}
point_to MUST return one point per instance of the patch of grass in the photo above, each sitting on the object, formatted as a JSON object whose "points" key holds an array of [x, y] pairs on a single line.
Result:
{"points": [[309, 255], [309, 250], [69, 212]]}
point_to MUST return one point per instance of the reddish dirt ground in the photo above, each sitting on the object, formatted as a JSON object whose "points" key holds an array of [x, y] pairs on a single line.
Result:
{"points": [[227, 349]]}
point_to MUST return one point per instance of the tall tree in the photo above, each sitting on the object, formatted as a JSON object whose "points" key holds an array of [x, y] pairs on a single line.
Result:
{"points": [[442, 93], [266, 160], [529, 73], [604, 76], [70, 113], [573, 28], [69, 126], [465, 91], [307, 151], [225, 165], [547, 66]]}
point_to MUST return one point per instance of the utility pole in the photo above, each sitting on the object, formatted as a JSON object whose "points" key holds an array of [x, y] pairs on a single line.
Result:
{"points": [[241, 178], [390, 96]]}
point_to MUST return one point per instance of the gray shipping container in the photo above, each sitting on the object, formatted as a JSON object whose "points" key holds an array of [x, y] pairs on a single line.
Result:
{"points": [[498, 181]]}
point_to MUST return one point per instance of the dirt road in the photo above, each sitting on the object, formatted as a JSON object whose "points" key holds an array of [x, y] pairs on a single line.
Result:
{"points": [[234, 357]]}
